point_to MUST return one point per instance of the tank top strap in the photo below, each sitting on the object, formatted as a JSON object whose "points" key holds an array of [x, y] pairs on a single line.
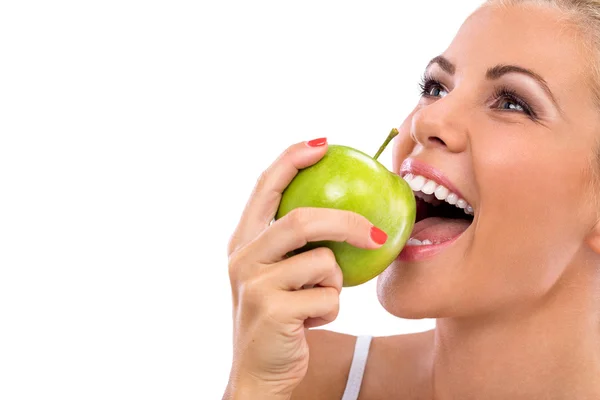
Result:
{"points": [[357, 368]]}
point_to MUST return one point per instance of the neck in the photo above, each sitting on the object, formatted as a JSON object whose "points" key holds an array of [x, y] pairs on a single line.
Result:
{"points": [[549, 349]]}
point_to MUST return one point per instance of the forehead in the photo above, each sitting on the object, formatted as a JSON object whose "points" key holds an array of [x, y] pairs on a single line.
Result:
{"points": [[533, 37]]}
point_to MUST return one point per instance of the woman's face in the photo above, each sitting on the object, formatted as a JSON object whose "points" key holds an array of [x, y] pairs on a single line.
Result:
{"points": [[519, 151]]}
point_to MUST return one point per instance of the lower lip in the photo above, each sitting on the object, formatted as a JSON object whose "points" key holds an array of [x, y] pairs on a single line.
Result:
{"points": [[423, 252]]}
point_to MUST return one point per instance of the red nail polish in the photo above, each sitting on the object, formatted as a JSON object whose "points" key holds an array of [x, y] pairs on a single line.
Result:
{"points": [[317, 142], [378, 236]]}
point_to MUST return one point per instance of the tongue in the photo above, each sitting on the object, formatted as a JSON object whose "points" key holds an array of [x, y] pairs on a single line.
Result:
{"points": [[438, 229]]}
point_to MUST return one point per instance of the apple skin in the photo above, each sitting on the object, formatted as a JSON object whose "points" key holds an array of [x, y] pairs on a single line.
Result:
{"points": [[348, 179]]}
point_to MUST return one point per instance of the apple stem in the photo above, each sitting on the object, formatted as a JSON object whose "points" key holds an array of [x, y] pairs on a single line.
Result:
{"points": [[392, 135]]}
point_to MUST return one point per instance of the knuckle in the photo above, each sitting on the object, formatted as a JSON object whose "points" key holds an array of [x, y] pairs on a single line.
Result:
{"points": [[297, 219], [252, 293], [261, 181], [336, 272], [335, 310], [264, 177], [236, 278], [353, 220], [288, 152], [331, 297], [326, 254], [325, 257], [240, 268], [234, 262], [340, 280]]}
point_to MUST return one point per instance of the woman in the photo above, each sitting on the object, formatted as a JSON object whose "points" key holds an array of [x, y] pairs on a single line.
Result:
{"points": [[509, 118]]}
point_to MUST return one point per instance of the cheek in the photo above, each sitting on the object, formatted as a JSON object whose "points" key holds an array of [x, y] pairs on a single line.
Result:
{"points": [[530, 192]]}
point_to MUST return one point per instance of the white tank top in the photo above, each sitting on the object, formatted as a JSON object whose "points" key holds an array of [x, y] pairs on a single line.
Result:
{"points": [[357, 369]]}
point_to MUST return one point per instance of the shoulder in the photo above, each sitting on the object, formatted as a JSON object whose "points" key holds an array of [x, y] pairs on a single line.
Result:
{"points": [[399, 367], [395, 365], [330, 357]]}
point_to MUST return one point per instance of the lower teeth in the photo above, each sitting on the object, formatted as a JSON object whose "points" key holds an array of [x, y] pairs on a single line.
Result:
{"points": [[417, 242]]}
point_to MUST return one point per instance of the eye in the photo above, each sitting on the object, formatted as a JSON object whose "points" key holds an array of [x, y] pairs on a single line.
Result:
{"points": [[507, 99], [510, 105], [437, 91], [432, 88]]}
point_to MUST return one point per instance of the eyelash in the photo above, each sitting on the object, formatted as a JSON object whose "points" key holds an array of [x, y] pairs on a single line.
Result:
{"points": [[502, 92]]}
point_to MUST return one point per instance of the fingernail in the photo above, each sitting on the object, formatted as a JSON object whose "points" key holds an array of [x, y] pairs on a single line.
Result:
{"points": [[317, 142], [378, 236]]}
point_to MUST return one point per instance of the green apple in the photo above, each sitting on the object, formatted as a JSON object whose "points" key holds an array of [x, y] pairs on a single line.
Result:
{"points": [[348, 179]]}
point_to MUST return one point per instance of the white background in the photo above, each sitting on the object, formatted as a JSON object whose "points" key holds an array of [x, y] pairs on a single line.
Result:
{"points": [[131, 134]]}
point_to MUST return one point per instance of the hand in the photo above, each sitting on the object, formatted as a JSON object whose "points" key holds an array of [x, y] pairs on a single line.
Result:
{"points": [[271, 310]]}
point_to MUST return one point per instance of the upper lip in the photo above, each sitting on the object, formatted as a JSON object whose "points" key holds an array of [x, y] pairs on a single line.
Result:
{"points": [[417, 167]]}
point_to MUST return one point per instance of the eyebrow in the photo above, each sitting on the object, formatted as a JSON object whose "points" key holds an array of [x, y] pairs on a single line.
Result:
{"points": [[497, 72], [444, 64]]}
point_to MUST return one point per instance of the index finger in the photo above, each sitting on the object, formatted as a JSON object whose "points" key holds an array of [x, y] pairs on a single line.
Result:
{"points": [[264, 200]]}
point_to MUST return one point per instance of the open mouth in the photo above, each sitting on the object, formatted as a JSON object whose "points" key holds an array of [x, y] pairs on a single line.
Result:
{"points": [[442, 215]]}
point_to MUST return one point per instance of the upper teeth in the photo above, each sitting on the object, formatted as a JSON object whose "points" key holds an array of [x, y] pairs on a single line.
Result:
{"points": [[430, 190]]}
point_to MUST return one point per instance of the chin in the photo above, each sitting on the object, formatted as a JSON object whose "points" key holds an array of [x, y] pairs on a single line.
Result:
{"points": [[405, 293], [403, 297]]}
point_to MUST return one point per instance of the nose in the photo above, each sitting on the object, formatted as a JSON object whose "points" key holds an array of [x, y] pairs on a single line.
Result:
{"points": [[441, 124]]}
